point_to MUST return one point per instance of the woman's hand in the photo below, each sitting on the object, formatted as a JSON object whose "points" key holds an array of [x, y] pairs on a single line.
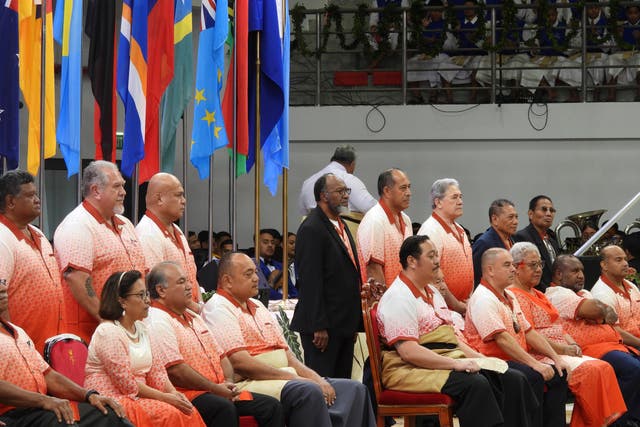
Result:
{"points": [[179, 400]]}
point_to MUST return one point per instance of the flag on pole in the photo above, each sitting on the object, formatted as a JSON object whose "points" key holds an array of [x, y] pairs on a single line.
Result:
{"points": [[239, 75], [132, 80], [276, 148], [208, 124], [30, 46], [68, 33], [101, 29], [263, 19], [160, 60], [9, 84], [180, 91]]}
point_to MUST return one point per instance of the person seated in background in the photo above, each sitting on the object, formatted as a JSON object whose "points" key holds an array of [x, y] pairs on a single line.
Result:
{"points": [[202, 254], [623, 64], [376, 37], [591, 323], [196, 364], [192, 238], [259, 354], [34, 395], [598, 400], [121, 363], [225, 247], [271, 268], [291, 255], [631, 246], [218, 238], [588, 230]]}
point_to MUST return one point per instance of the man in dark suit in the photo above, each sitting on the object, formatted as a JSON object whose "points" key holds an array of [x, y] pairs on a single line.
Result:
{"points": [[326, 261], [541, 214], [504, 223]]}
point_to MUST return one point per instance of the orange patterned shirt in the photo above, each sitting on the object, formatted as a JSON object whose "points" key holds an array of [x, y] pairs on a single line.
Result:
{"points": [[626, 303]]}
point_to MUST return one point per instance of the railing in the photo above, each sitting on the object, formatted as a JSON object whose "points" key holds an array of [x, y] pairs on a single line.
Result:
{"points": [[325, 71]]}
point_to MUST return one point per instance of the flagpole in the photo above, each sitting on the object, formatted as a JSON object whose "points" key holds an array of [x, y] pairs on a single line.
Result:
{"points": [[256, 168], [43, 67], [210, 210], [234, 151], [184, 169], [285, 198], [136, 194]]}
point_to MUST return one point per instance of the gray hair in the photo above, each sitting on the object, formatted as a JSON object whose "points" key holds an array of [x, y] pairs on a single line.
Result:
{"points": [[96, 173], [344, 154], [439, 188], [521, 249], [158, 276]]}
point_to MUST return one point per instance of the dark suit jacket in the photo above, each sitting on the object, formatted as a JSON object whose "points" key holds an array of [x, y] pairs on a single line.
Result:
{"points": [[328, 281], [530, 234], [489, 239]]}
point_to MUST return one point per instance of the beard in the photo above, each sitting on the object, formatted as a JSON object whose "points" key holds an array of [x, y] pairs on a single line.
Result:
{"points": [[339, 209]]}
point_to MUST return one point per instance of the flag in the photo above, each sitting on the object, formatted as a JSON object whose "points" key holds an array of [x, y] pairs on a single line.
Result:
{"points": [[208, 124], [9, 88], [132, 80], [101, 30], [239, 75], [30, 46], [68, 33], [160, 60], [263, 19], [276, 148], [180, 91]]}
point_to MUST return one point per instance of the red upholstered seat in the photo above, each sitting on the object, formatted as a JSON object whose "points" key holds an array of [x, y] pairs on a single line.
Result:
{"points": [[393, 397], [248, 422], [67, 354], [350, 78]]}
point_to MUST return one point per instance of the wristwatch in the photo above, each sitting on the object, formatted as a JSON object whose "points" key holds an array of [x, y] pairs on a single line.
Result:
{"points": [[89, 393]]}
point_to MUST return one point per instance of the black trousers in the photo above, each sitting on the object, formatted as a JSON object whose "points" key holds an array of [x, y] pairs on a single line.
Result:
{"points": [[477, 399], [89, 417], [220, 412], [335, 361], [552, 394]]}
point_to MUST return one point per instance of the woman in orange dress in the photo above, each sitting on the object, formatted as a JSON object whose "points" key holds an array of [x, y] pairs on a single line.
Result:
{"points": [[122, 365], [598, 400]]}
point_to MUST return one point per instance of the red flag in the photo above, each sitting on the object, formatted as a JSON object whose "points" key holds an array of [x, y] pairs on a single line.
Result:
{"points": [[160, 66], [241, 75]]}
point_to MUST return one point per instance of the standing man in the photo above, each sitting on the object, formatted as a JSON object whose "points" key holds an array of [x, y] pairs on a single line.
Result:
{"points": [[504, 223], [449, 237], [541, 214], [27, 265], [160, 238], [92, 242], [327, 315], [384, 228]]}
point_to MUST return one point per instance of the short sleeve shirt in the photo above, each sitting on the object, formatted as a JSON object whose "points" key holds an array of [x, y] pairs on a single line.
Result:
{"points": [[31, 274], [380, 236], [626, 303], [456, 259], [236, 329], [159, 245]]}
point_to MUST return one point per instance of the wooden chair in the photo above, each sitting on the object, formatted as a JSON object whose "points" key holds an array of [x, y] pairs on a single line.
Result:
{"points": [[391, 402]]}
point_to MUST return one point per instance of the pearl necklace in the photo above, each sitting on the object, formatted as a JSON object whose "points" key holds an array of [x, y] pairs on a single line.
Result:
{"points": [[132, 336]]}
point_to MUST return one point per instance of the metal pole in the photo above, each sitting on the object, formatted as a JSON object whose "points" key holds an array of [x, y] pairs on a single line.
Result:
{"points": [[43, 67], [583, 69], [256, 168], [318, 63], [285, 233], [210, 210], [185, 148], [607, 226], [234, 120], [136, 195], [404, 57], [493, 57]]}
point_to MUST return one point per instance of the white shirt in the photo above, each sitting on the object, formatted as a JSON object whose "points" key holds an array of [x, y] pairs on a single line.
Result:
{"points": [[360, 199]]}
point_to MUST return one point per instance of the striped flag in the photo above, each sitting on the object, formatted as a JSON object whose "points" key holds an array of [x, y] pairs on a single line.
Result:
{"points": [[208, 124], [9, 88], [68, 33], [132, 80]]}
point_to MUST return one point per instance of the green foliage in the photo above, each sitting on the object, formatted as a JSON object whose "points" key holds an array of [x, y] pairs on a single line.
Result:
{"points": [[289, 335]]}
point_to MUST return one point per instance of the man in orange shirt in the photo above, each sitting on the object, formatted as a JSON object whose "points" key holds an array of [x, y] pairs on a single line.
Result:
{"points": [[27, 264]]}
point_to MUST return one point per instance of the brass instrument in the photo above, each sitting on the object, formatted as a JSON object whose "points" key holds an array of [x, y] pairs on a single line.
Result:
{"points": [[577, 222], [635, 224]]}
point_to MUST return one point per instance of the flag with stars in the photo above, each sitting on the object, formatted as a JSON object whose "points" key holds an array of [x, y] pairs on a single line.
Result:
{"points": [[208, 124], [9, 89]]}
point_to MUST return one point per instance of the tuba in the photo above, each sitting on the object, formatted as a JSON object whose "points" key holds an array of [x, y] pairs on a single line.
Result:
{"points": [[635, 224], [577, 222]]}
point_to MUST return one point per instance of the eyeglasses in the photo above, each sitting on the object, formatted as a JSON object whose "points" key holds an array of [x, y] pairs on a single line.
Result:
{"points": [[547, 209], [142, 295], [532, 265], [342, 191]]}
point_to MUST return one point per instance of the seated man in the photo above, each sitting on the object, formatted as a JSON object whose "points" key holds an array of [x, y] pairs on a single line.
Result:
{"points": [[271, 268], [33, 394], [195, 363], [251, 337]]}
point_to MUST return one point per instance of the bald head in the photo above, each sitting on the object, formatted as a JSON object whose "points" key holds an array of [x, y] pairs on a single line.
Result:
{"points": [[489, 257], [165, 197], [238, 275], [613, 263], [498, 269]]}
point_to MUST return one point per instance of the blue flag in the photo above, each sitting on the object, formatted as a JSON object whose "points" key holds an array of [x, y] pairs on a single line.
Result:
{"points": [[67, 31], [9, 84], [209, 133]]}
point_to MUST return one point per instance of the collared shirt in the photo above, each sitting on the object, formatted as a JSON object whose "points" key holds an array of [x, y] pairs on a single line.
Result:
{"points": [[85, 241], [626, 303], [186, 339], [380, 236], [456, 259], [235, 328], [20, 363], [31, 274], [360, 200], [159, 244]]}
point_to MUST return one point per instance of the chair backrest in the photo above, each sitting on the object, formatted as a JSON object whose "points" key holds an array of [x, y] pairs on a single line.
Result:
{"points": [[369, 297], [67, 354]]}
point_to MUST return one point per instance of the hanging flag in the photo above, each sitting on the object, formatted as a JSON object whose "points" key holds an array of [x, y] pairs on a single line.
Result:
{"points": [[276, 148], [239, 75], [9, 84], [208, 124], [101, 30], [30, 46], [160, 60], [68, 33], [180, 91], [132, 80], [263, 20]]}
